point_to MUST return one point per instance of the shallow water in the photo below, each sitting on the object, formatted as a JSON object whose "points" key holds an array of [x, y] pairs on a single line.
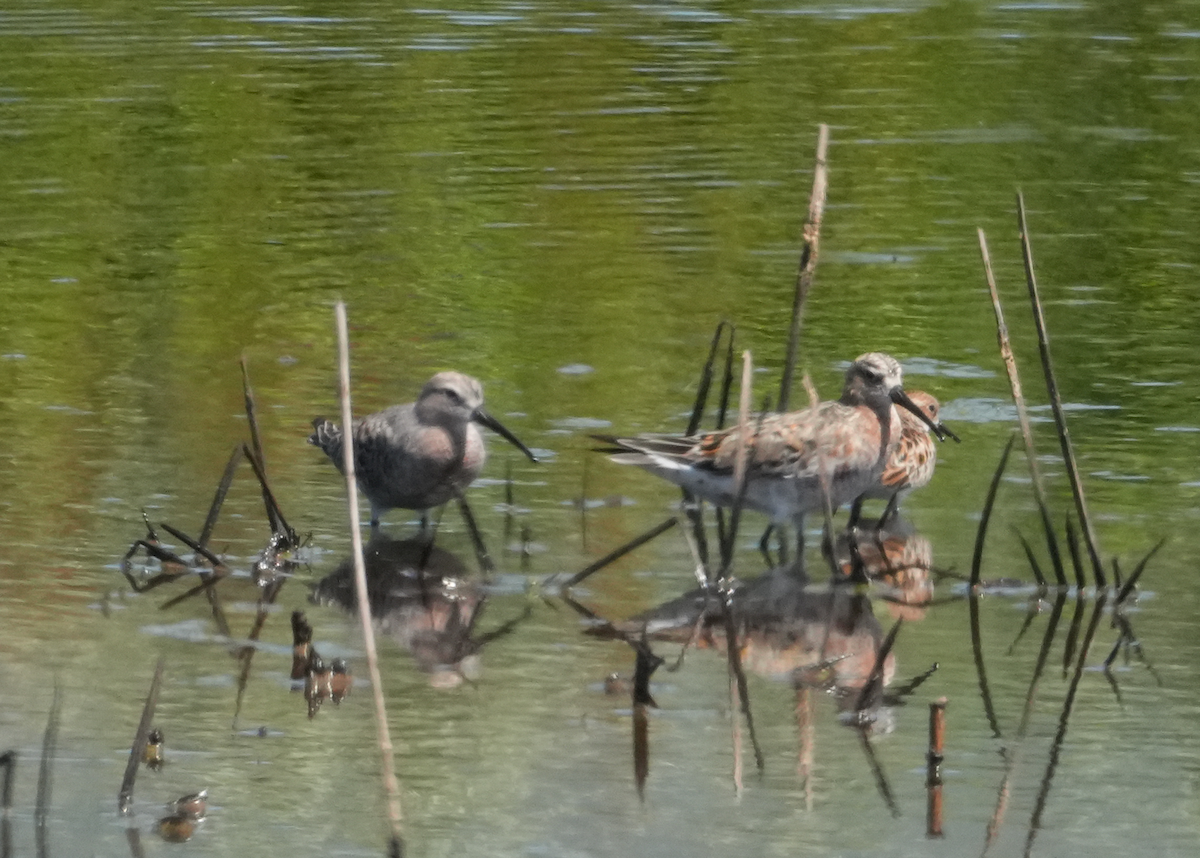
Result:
{"points": [[563, 200]]}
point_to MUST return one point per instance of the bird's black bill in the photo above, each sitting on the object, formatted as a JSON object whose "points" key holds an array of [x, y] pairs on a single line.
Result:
{"points": [[898, 396], [496, 426]]}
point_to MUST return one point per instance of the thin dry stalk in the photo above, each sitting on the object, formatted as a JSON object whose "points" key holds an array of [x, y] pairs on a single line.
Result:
{"points": [[390, 784], [732, 647], [806, 735], [1014, 381], [740, 462], [1060, 420], [125, 796], [808, 262]]}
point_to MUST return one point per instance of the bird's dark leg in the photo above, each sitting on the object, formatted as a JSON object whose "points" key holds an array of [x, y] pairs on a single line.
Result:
{"points": [[855, 512], [890, 512], [764, 545], [799, 525]]}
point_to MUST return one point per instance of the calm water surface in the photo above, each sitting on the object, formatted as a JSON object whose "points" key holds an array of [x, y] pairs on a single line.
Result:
{"points": [[563, 199]]}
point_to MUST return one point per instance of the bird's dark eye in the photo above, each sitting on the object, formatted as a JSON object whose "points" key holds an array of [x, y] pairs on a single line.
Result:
{"points": [[452, 395]]}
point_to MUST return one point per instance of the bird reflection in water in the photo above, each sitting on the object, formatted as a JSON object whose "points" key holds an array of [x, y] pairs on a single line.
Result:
{"points": [[423, 598], [896, 560], [819, 638], [825, 638]]}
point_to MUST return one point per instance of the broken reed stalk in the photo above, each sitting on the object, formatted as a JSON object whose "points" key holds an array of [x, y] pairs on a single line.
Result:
{"points": [[1060, 420], [275, 514], [808, 262], [125, 795], [256, 445], [618, 553], [933, 772], [706, 377], [214, 509], [1128, 586], [1073, 549], [1014, 382], [390, 784], [1033, 564], [985, 516], [198, 547]]}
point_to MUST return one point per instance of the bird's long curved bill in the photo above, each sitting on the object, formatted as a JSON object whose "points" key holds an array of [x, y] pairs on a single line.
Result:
{"points": [[898, 396], [496, 426]]}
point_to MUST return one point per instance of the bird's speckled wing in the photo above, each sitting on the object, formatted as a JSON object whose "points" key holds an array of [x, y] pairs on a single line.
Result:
{"points": [[841, 437]]}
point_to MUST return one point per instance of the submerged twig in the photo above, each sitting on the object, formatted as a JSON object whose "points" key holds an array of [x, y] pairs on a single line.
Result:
{"points": [[390, 783], [41, 812], [620, 552]]}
